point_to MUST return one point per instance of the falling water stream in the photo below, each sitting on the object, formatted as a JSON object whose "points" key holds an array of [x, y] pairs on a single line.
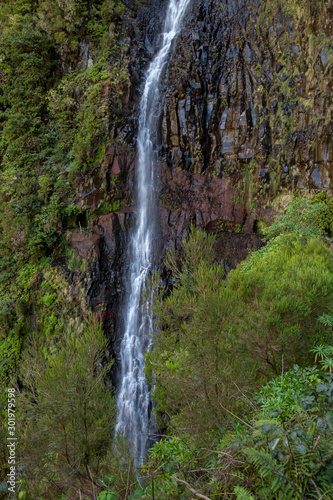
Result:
{"points": [[133, 396]]}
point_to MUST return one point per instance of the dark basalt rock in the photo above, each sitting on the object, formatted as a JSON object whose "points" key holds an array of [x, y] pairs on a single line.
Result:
{"points": [[246, 115]]}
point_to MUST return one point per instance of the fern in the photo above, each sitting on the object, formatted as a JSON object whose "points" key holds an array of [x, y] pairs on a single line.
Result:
{"points": [[264, 493], [228, 440], [327, 494], [275, 483], [300, 469], [270, 470], [243, 494], [237, 474], [263, 462], [267, 422]]}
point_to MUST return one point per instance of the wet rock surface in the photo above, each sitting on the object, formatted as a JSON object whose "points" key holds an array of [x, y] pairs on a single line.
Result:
{"points": [[246, 117], [248, 89]]}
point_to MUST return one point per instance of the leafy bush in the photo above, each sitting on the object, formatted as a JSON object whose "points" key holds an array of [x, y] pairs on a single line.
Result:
{"points": [[198, 350], [216, 333], [219, 341], [66, 409], [280, 396], [302, 220], [291, 449]]}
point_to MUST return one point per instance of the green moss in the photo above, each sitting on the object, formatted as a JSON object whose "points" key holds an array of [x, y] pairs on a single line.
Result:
{"points": [[54, 130], [105, 207], [74, 262], [259, 226]]}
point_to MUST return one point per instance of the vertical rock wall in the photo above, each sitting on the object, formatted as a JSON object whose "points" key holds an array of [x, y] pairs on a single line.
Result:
{"points": [[246, 120], [249, 101]]}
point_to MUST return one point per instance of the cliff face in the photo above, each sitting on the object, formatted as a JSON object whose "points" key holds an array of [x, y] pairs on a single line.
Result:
{"points": [[249, 102], [246, 119]]}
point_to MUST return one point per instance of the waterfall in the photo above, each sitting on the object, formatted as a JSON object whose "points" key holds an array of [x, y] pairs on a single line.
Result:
{"points": [[133, 396]]}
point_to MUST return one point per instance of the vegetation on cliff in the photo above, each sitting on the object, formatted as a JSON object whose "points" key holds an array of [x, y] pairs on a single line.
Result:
{"points": [[60, 65], [54, 124], [232, 370], [241, 372]]}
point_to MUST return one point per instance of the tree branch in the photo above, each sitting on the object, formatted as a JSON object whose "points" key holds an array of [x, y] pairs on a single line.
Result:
{"points": [[192, 490], [238, 418], [291, 484]]}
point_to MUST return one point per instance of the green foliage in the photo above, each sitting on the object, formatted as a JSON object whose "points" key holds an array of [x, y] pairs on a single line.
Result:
{"points": [[66, 409], [283, 292], [26, 142], [79, 110], [281, 395], [324, 351], [15, 305], [302, 220], [171, 453], [214, 332], [243, 494], [326, 354], [54, 126], [120, 476], [217, 338], [68, 22], [105, 208], [74, 261], [324, 219], [284, 455], [286, 282], [107, 496], [198, 350], [168, 457], [265, 465]]}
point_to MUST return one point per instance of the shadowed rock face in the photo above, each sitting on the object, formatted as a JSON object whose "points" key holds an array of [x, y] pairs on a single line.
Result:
{"points": [[247, 104], [209, 115], [244, 88], [246, 118]]}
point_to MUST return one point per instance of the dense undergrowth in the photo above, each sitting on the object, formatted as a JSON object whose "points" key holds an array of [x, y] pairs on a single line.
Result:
{"points": [[243, 410], [54, 118], [241, 370], [247, 412], [55, 111], [54, 123]]}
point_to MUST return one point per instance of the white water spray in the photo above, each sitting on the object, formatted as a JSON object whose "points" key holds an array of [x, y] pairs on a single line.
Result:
{"points": [[133, 397]]}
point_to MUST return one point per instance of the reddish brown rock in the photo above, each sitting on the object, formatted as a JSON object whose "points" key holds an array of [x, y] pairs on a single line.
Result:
{"points": [[107, 224], [87, 244], [205, 200]]}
